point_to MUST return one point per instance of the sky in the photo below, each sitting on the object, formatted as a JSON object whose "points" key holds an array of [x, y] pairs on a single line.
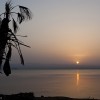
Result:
{"points": [[61, 32]]}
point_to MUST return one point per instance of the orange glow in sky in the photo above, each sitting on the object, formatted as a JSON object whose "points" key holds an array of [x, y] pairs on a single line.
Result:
{"points": [[61, 32]]}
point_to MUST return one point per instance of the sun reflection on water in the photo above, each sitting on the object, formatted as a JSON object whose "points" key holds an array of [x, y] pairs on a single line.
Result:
{"points": [[78, 78]]}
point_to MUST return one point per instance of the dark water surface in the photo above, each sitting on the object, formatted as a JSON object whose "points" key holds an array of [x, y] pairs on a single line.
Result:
{"points": [[71, 83]]}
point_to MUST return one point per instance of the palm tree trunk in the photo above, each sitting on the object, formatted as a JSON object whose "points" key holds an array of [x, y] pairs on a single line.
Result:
{"points": [[3, 41], [3, 36], [2, 48]]}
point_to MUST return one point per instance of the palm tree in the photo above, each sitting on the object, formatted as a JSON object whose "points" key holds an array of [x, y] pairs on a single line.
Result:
{"points": [[8, 37]]}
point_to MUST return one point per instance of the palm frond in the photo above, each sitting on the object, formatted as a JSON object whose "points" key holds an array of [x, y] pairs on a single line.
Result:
{"points": [[17, 45], [22, 35], [24, 45], [25, 12], [6, 68], [8, 6], [20, 18], [20, 43], [22, 59], [20, 53], [15, 26], [0, 21], [0, 62], [9, 53]]}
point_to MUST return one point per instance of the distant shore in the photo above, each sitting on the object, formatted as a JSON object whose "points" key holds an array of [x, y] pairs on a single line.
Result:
{"points": [[30, 96]]}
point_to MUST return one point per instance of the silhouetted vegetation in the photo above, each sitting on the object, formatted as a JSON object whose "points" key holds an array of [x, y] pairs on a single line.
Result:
{"points": [[30, 96], [8, 37]]}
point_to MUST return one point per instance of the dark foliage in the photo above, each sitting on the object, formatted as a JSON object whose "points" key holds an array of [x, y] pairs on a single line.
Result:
{"points": [[8, 37]]}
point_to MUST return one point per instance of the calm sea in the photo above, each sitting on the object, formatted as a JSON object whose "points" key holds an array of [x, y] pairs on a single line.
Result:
{"points": [[71, 83]]}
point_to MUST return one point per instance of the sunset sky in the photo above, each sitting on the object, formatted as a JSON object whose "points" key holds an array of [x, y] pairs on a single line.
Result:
{"points": [[61, 32]]}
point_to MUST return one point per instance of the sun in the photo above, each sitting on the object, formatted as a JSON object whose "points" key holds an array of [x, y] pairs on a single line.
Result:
{"points": [[77, 62]]}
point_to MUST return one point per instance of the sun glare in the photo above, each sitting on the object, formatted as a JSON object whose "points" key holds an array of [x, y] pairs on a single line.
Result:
{"points": [[77, 62]]}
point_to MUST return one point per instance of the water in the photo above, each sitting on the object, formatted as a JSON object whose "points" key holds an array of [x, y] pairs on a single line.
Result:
{"points": [[71, 83]]}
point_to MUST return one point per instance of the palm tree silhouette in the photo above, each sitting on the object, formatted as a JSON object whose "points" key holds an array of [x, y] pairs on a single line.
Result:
{"points": [[8, 37]]}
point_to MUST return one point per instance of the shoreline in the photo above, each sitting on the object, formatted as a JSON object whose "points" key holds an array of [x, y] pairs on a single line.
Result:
{"points": [[30, 96]]}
